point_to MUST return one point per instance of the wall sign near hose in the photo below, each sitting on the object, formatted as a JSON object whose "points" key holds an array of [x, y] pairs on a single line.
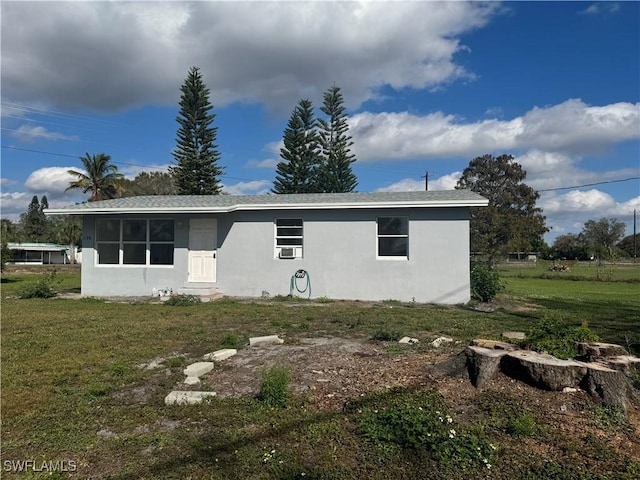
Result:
{"points": [[298, 279]]}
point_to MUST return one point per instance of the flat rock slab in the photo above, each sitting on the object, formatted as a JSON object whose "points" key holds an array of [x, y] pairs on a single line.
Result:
{"points": [[181, 397], [408, 340], [542, 370], [266, 340], [493, 344], [514, 335], [441, 340], [220, 355], [198, 369]]}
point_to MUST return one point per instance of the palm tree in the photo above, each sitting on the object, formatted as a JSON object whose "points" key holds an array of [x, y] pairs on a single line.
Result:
{"points": [[101, 178]]}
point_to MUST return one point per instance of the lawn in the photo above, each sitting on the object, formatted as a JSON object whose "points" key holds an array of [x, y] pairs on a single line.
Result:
{"points": [[70, 376]]}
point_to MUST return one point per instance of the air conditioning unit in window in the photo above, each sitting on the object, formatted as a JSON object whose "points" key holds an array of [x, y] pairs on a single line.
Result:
{"points": [[287, 253]]}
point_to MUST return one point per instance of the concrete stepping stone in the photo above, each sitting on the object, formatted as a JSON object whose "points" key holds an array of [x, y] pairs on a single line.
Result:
{"points": [[266, 340], [192, 380], [220, 355], [182, 397], [198, 369]]}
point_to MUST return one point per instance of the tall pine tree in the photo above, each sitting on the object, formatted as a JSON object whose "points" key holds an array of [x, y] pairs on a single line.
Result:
{"points": [[335, 174], [196, 171], [34, 222], [296, 172]]}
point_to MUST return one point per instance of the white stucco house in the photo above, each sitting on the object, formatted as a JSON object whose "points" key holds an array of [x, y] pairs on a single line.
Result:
{"points": [[367, 246]]}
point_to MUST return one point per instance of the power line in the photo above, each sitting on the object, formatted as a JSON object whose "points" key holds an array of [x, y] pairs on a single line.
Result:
{"points": [[588, 184], [147, 167]]}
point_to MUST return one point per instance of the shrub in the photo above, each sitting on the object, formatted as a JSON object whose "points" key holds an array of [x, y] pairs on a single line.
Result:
{"points": [[42, 288], [558, 338], [274, 389], [231, 340], [182, 300], [485, 283], [385, 335]]}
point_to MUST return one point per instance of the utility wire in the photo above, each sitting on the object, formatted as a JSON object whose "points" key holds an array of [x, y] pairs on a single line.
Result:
{"points": [[588, 184]]}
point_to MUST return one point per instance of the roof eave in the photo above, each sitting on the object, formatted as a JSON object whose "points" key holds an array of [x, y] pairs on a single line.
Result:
{"points": [[270, 206]]}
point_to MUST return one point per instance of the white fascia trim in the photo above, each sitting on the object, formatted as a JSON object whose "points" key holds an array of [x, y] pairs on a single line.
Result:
{"points": [[269, 206]]}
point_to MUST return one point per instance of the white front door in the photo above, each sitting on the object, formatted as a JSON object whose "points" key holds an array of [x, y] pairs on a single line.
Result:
{"points": [[203, 242]]}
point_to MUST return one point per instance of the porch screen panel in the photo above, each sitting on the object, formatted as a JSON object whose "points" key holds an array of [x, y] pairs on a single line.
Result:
{"points": [[161, 242], [134, 242], [108, 241]]}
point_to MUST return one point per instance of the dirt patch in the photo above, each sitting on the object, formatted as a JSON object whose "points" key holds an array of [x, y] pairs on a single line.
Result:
{"points": [[329, 370]]}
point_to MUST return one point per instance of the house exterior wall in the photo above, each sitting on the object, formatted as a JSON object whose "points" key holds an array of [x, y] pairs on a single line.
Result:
{"points": [[339, 255]]}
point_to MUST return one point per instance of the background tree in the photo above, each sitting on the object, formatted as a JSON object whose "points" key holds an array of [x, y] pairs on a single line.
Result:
{"points": [[511, 220], [570, 246], [629, 246], [34, 223], [149, 183], [196, 171], [68, 231], [602, 235], [296, 172], [100, 177], [335, 173]]}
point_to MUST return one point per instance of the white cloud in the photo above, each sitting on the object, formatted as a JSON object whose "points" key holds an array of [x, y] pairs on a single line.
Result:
{"points": [[6, 183], [601, 8], [254, 187], [14, 203], [263, 48], [29, 133], [570, 127], [53, 180], [267, 163]]}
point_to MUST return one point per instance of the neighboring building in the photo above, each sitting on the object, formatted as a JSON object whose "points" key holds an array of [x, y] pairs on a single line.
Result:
{"points": [[38, 253], [368, 246]]}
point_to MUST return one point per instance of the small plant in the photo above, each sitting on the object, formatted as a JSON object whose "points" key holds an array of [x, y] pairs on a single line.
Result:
{"points": [[42, 288], [182, 300], [274, 389], [174, 362], [559, 338], [524, 425], [231, 340], [485, 283], [386, 335]]}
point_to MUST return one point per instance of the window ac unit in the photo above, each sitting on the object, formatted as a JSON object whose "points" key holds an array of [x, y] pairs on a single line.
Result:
{"points": [[287, 253]]}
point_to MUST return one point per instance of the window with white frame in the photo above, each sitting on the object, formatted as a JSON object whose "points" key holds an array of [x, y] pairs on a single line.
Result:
{"points": [[134, 241], [288, 237], [393, 237]]}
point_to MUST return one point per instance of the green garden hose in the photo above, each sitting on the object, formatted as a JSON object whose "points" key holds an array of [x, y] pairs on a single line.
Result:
{"points": [[294, 283]]}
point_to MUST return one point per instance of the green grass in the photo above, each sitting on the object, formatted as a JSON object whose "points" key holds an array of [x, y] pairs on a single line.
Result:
{"points": [[69, 371]]}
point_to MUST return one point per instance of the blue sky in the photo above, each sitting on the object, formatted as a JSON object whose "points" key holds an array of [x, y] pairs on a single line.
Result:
{"points": [[428, 86]]}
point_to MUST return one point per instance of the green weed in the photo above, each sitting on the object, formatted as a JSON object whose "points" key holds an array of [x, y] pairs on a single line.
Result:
{"points": [[274, 389], [182, 300], [558, 338]]}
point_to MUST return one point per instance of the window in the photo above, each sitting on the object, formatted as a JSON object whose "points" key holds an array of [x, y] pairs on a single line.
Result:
{"points": [[289, 236], [393, 237], [135, 242]]}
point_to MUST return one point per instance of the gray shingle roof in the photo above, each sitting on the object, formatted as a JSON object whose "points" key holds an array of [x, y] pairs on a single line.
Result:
{"points": [[227, 203]]}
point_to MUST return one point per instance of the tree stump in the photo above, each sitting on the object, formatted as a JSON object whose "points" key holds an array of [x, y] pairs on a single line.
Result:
{"points": [[542, 370], [609, 385], [483, 363], [597, 350]]}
